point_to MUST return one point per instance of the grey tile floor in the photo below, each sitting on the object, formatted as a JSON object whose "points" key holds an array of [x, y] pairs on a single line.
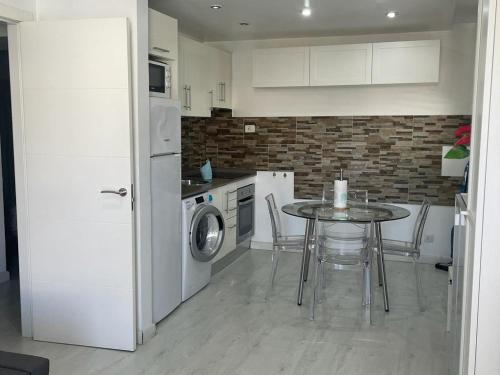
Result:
{"points": [[228, 328]]}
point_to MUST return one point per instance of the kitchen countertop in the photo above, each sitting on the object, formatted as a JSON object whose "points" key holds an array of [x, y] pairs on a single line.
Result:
{"points": [[221, 177]]}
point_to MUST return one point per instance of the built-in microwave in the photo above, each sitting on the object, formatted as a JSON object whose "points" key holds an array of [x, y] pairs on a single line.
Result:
{"points": [[160, 79]]}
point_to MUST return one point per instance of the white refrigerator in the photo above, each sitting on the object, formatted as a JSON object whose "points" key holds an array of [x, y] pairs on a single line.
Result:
{"points": [[165, 130]]}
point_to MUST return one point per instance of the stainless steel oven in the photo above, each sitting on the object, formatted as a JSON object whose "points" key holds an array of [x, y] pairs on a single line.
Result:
{"points": [[245, 223]]}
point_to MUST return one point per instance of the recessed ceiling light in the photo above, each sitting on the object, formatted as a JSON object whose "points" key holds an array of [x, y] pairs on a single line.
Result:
{"points": [[306, 12], [216, 6], [244, 24], [391, 14]]}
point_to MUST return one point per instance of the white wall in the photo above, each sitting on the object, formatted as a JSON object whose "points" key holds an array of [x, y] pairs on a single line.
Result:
{"points": [[439, 221], [137, 13], [453, 94], [27, 5]]}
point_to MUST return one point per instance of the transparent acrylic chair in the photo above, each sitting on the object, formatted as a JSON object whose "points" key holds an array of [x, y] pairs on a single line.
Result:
{"points": [[326, 252], [345, 231], [280, 241], [411, 249]]}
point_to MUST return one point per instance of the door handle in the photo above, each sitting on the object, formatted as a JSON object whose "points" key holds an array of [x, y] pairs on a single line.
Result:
{"points": [[121, 192], [162, 49]]}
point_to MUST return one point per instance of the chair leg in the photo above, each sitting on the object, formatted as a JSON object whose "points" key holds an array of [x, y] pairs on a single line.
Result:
{"points": [[322, 282], [307, 260], [274, 268], [379, 269], [418, 279], [314, 296]]}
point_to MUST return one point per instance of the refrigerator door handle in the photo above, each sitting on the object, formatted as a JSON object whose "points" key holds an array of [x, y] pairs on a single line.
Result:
{"points": [[165, 154]]}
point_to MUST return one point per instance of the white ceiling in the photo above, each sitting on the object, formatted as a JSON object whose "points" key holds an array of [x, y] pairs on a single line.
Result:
{"points": [[281, 18]]}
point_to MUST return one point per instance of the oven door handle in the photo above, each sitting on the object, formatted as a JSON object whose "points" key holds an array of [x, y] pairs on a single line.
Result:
{"points": [[246, 201]]}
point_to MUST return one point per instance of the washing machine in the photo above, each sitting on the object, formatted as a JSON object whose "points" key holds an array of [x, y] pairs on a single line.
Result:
{"points": [[202, 238]]}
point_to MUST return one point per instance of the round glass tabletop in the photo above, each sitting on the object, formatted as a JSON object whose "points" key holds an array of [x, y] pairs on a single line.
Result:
{"points": [[355, 212]]}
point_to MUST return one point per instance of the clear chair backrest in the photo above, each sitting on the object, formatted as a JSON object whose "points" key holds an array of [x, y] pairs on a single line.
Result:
{"points": [[275, 217], [418, 229], [328, 193], [354, 195], [359, 196]]}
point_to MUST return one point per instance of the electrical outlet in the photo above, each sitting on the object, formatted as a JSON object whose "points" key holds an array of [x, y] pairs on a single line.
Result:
{"points": [[429, 238], [249, 128]]}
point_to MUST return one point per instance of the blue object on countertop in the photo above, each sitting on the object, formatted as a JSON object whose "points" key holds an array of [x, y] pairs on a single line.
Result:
{"points": [[206, 171]]}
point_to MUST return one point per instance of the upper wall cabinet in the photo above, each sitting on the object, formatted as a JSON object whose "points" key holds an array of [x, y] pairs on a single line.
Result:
{"points": [[406, 62], [349, 64], [220, 77], [194, 83], [162, 35], [281, 67]]}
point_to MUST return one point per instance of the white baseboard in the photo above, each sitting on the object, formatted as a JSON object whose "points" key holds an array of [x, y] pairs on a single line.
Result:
{"points": [[4, 276], [147, 334], [426, 259]]}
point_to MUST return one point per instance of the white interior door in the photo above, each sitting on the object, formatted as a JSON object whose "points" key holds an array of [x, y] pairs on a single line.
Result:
{"points": [[77, 131]]}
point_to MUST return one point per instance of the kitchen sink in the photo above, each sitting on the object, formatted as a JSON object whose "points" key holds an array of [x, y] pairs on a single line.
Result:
{"points": [[194, 182]]}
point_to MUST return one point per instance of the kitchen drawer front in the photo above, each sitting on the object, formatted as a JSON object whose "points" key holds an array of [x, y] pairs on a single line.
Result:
{"points": [[229, 201], [229, 243]]}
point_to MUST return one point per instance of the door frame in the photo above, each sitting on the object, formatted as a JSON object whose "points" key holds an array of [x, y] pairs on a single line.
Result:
{"points": [[12, 16]]}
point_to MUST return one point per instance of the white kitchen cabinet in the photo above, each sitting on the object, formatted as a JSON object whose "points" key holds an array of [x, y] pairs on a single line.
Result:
{"points": [[224, 198], [406, 62], [193, 79], [229, 200], [281, 184], [220, 77], [229, 243], [348, 64], [162, 36], [281, 67]]}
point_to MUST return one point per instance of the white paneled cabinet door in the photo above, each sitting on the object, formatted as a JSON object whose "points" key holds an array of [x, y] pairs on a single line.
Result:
{"points": [[162, 35], [194, 88], [281, 67], [406, 62], [349, 64], [77, 132], [220, 76]]}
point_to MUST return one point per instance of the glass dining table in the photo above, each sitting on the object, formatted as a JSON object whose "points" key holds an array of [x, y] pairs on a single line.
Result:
{"points": [[356, 212]]}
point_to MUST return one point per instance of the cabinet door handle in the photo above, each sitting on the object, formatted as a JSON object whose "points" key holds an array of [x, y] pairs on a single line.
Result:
{"points": [[232, 226], [211, 92], [190, 98], [219, 91], [224, 92], [162, 49], [186, 104]]}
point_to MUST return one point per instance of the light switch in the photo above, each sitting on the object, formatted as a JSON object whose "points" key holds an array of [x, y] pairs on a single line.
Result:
{"points": [[249, 128]]}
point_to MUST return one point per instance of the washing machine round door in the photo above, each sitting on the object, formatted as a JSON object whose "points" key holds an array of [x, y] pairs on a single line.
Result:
{"points": [[207, 233]]}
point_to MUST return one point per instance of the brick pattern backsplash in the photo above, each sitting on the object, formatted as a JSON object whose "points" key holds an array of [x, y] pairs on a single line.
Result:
{"points": [[397, 158]]}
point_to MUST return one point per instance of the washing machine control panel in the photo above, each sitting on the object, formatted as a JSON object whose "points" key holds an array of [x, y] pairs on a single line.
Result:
{"points": [[199, 199]]}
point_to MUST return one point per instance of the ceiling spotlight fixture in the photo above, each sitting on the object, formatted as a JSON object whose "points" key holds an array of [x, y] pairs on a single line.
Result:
{"points": [[391, 14], [216, 6], [306, 11], [244, 24]]}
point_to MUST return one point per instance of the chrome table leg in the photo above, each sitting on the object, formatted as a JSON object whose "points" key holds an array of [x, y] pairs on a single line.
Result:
{"points": [[382, 266], [305, 254], [379, 269]]}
